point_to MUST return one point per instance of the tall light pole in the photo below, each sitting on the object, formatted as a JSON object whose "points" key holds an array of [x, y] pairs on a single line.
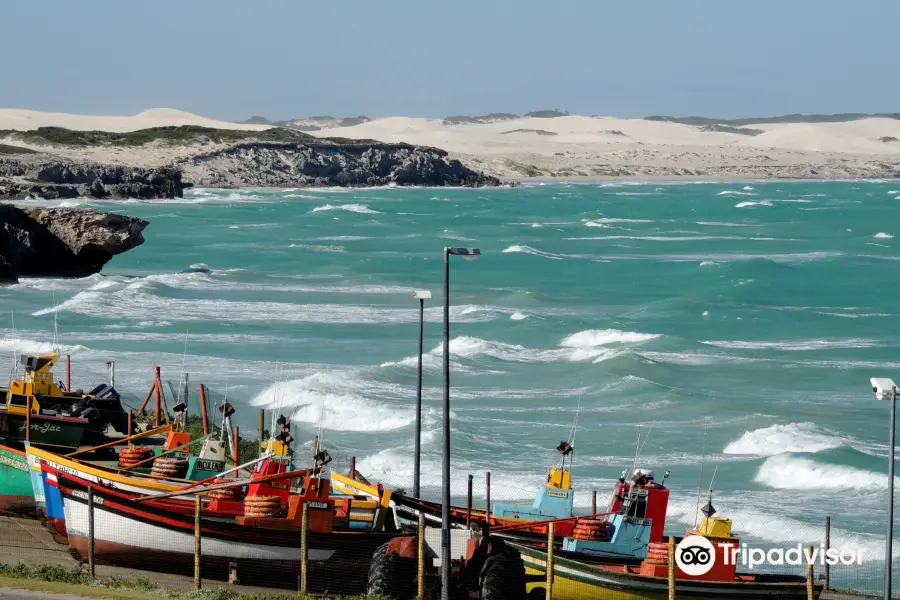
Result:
{"points": [[421, 296], [886, 389], [468, 254]]}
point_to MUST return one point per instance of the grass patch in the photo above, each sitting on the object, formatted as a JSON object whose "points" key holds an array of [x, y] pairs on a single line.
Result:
{"points": [[77, 582], [7, 149], [794, 118]]}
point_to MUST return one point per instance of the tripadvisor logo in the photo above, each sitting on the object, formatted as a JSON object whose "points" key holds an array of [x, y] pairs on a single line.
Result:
{"points": [[695, 555]]}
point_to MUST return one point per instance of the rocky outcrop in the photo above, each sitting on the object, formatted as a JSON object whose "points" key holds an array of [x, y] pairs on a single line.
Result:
{"points": [[350, 164], [63, 242], [50, 177]]}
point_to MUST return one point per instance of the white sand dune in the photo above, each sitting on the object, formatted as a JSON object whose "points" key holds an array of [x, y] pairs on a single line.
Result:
{"points": [[568, 146], [860, 136], [25, 120]]}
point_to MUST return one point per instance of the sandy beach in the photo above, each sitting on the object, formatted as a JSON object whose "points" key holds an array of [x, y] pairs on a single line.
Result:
{"points": [[559, 147]]}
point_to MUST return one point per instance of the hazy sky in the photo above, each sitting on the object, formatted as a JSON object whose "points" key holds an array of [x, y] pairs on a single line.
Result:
{"points": [[284, 58]]}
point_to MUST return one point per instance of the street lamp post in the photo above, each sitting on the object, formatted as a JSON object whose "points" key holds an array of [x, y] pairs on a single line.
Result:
{"points": [[421, 296], [467, 254], [886, 389]]}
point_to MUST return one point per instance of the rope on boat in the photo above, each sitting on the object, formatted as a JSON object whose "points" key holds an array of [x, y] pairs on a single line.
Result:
{"points": [[231, 493], [129, 457], [169, 467], [262, 506], [593, 529]]}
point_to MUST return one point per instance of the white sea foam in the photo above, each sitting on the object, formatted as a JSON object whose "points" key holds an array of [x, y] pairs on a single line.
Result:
{"points": [[786, 472], [340, 400], [134, 302], [735, 193], [747, 203], [356, 208], [599, 337], [747, 188], [677, 238], [722, 224], [592, 344], [516, 248], [778, 439], [795, 345], [26, 346], [709, 263], [883, 236], [518, 316], [607, 220]]}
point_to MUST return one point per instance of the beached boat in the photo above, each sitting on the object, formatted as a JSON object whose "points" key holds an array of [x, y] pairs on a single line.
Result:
{"points": [[583, 576], [38, 410], [137, 531], [16, 495]]}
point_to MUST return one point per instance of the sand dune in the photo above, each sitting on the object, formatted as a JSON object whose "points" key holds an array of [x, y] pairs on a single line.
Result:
{"points": [[566, 146], [24, 120], [861, 136]]}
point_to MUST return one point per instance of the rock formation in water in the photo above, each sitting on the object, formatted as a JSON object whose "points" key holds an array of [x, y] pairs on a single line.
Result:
{"points": [[277, 157], [63, 242], [52, 177], [280, 164]]}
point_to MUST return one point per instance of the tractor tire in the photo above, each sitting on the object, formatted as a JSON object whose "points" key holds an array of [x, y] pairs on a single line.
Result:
{"points": [[391, 575], [503, 577]]}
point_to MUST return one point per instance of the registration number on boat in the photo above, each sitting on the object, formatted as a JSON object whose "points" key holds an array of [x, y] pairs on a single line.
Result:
{"points": [[318, 505], [210, 465], [84, 495]]}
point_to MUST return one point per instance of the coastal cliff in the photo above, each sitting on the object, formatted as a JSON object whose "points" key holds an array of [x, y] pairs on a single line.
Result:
{"points": [[52, 177], [67, 242], [54, 163]]}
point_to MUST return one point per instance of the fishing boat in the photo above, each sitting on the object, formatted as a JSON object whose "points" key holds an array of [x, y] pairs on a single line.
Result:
{"points": [[132, 531], [554, 501], [41, 411], [583, 575], [38, 410], [15, 492]]}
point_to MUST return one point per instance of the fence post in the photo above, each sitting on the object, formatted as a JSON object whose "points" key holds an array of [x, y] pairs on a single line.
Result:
{"points": [[304, 526], [549, 561], [469, 505], [197, 548], [68, 373], [487, 509], [237, 451], [90, 501], [594, 502], [420, 573], [262, 423], [353, 468], [810, 591], [671, 562], [827, 547], [130, 425], [28, 420]]}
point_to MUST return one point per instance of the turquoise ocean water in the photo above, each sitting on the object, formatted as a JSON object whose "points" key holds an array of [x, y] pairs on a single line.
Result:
{"points": [[739, 322]]}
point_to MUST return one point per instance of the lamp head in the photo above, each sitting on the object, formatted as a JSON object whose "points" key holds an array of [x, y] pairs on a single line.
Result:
{"points": [[883, 387], [422, 295], [466, 253]]}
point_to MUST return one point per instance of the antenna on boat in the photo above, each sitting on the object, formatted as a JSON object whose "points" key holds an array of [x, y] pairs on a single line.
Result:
{"points": [[15, 363], [700, 482], [183, 360], [55, 326]]}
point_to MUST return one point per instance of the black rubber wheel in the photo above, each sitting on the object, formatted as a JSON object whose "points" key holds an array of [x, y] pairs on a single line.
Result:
{"points": [[503, 576], [392, 576]]}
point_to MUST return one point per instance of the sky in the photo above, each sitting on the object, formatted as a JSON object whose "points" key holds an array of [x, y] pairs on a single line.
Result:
{"points": [[231, 59]]}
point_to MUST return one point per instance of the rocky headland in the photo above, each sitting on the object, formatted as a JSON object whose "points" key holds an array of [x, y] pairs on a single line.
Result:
{"points": [[67, 242], [161, 162]]}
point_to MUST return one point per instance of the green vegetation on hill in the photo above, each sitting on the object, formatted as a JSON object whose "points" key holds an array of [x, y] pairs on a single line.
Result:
{"points": [[183, 134], [7, 149], [547, 114], [795, 118]]}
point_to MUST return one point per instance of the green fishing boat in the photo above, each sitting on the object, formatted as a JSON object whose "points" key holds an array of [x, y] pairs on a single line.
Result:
{"points": [[16, 495]]}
